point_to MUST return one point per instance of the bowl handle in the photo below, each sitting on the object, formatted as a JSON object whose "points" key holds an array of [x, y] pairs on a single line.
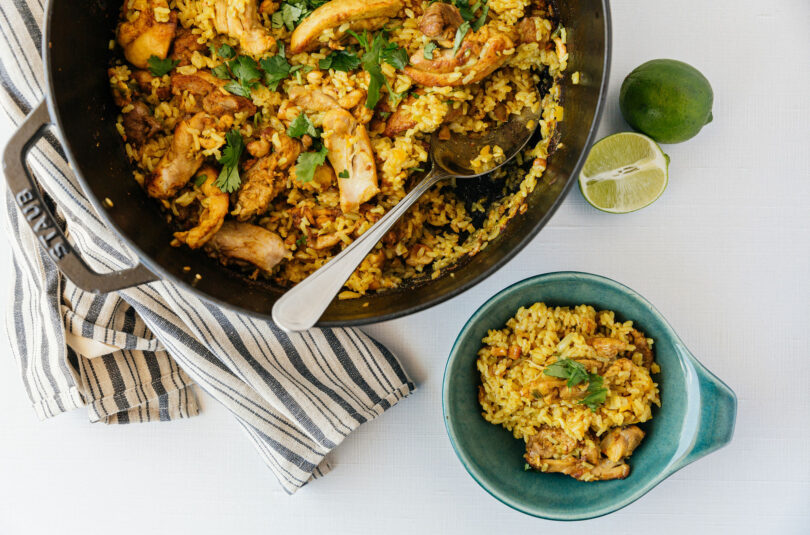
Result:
{"points": [[717, 413], [28, 197]]}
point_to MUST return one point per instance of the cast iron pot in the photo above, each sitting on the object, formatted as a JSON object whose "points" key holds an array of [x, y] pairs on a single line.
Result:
{"points": [[79, 104]]}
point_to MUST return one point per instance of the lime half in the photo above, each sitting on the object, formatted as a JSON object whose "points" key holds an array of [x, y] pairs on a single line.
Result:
{"points": [[623, 173]]}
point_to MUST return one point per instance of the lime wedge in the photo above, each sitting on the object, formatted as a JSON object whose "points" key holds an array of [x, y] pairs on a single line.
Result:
{"points": [[623, 173]]}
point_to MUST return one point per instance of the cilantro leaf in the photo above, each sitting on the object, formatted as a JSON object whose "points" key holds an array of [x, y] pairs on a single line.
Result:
{"points": [[344, 174], [237, 89], [480, 21], [576, 373], [199, 180], [222, 72], [394, 55], [302, 125], [229, 179], [292, 12], [362, 39], [569, 369], [429, 48], [464, 9], [460, 33], [226, 51], [307, 163], [340, 60], [275, 69], [245, 69], [159, 67]]}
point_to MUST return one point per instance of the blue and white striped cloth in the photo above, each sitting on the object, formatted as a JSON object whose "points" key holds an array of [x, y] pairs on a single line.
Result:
{"points": [[134, 356]]}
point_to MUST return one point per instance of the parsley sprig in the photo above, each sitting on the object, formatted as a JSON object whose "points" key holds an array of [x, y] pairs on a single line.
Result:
{"points": [[575, 373], [229, 179], [301, 125], [159, 67], [308, 162], [245, 74], [378, 51], [340, 60]]}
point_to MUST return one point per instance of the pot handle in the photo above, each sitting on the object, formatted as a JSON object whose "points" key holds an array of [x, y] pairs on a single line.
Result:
{"points": [[716, 416], [28, 198]]}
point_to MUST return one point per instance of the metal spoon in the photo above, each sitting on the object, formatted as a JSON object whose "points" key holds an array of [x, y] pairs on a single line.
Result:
{"points": [[301, 307]]}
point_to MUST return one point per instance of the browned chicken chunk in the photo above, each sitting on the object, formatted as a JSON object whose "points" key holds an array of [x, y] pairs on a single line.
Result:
{"points": [[181, 161], [244, 25], [619, 443], [532, 30], [144, 79], [215, 208], [185, 44], [362, 14], [350, 154], [243, 242], [208, 93], [606, 347], [552, 450], [144, 36], [480, 54], [640, 341], [440, 21], [139, 124]]}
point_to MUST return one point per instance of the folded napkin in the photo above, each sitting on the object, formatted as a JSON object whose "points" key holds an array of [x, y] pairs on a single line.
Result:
{"points": [[134, 356]]}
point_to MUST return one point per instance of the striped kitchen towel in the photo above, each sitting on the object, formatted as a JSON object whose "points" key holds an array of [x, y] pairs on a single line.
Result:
{"points": [[135, 355]]}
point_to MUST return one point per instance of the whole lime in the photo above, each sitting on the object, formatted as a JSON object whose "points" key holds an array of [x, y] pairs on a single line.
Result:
{"points": [[666, 99]]}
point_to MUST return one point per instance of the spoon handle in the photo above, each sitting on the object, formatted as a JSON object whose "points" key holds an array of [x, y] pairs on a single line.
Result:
{"points": [[301, 306]]}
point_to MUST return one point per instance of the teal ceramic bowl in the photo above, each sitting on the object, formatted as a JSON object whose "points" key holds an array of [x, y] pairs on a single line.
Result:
{"points": [[696, 416]]}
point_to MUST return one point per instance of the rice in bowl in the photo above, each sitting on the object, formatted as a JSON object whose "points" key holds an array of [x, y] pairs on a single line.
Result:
{"points": [[572, 383]]}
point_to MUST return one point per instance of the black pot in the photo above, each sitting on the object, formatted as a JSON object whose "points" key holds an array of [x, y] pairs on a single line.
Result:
{"points": [[79, 103]]}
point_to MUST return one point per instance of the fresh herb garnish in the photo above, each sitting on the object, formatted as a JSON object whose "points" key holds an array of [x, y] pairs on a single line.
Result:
{"points": [[340, 60], [229, 180], [226, 51], [379, 50], [292, 12], [159, 67], [480, 21], [576, 373], [307, 163], [344, 174], [243, 73], [302, 125], [300, 241], [526, 467], [199, 180], [429, 48], [460, 33], [277, 68]]}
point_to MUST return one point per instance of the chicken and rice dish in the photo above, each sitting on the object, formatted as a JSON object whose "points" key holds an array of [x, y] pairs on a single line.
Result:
{"points": [[273, 133], [573, 383]]}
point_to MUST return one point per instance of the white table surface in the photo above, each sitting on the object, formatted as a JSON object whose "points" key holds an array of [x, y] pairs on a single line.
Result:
{"points": [[724, 255]]}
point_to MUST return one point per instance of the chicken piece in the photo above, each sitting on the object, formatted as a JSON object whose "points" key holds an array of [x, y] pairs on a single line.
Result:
{"points": [[620, 443], [532, 30], [640, 341], [286, 148], [244, 242], [181, 161], [258, 147], [260, 185], [607, 470], [606, 347], [215, 208], [312, 99], [440, 21], [362, 14], [241, 21], [143, 36], [478, 57], [268, 7], [207, 90], [548, 443], [401, 120], [145, 81], [139, 124], [350, 152], [185, 44]]}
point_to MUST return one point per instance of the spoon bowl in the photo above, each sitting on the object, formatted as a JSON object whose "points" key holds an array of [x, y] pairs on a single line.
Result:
{"points": [[301, 307]]}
